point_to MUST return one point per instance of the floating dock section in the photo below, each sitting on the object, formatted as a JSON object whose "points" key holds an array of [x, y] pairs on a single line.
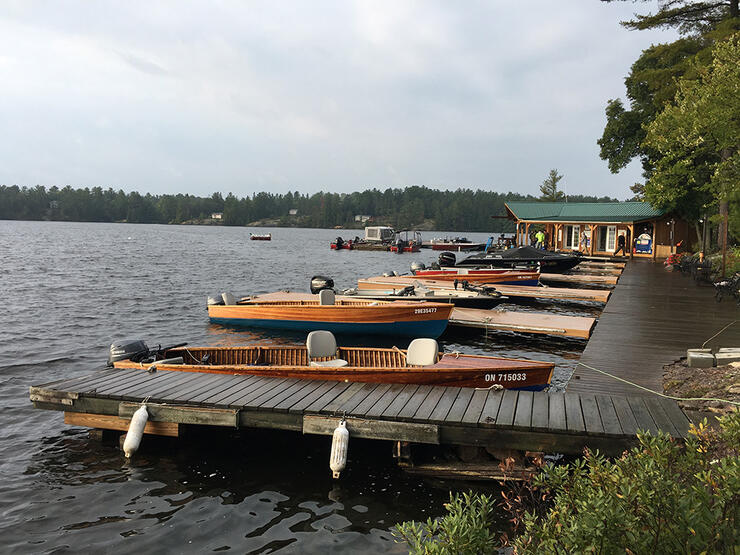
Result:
{"points": [[525, 420], [521, 291]]}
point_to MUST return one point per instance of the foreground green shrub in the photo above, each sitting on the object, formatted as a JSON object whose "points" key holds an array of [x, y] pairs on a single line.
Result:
{"points": [[466, 528], [659, 497]]}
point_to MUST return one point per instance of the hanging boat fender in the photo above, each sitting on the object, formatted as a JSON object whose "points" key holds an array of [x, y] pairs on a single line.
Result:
{"points": [[135, 431], [339, 447]]}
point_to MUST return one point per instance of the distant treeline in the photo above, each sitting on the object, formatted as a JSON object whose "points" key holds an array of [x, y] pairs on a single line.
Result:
{"points": [[412, 207]]}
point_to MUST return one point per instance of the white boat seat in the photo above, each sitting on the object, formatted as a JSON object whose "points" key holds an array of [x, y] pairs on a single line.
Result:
{"points": [[333, 363], [228, 298], [322, 344], [422, 352], [326, 297]]}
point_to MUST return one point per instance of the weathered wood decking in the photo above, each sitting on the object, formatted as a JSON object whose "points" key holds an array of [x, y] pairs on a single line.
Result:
{"points": [[561, 422], [652, 317]]}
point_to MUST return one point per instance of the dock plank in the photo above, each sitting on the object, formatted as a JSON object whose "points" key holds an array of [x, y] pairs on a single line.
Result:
{"points": [[346, 395], [385, 401], [353, 402], [367, 403], [294, 389], [677, 416], [573, 413], [475, 407], [558, 420], [328, 397], [591, 414], [457, 411], [523, 414], [507, 410], [414, 402], [540, 412], [430, 402], [445, 404], [627, 420], [300, 406], [489, 415], [660, 417], [643, 418], [608, 414], [400, 401]]}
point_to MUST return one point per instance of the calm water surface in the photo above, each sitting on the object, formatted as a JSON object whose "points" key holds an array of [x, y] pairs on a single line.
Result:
{"points": [[70, 289]]}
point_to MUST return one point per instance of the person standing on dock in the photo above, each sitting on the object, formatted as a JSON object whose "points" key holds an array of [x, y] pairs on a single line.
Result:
{"points": [[621, 240], [540, 237]]}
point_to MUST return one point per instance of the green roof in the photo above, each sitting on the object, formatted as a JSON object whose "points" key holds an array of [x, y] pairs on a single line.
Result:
{"points": [[584, 211]]}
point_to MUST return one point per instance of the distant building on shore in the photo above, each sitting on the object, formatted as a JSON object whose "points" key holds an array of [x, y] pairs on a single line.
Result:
{"points": [[217, 216], [362, 218]]}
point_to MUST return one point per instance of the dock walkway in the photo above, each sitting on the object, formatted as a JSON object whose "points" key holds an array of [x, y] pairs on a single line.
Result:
{"points": [[535, 421], [652, 317]]}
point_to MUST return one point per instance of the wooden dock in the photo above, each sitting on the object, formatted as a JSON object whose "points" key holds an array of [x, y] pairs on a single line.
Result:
{"points": [[652, 317], [397, 283], [582, 279], [534, 421], [540, 323]]}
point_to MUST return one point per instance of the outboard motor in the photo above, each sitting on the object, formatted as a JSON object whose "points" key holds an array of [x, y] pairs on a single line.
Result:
{"points": [[127, 348], [214, 300], [417, 266], [390, 273], [321, 282], [434, 266], [339, 242], [447, 258]]}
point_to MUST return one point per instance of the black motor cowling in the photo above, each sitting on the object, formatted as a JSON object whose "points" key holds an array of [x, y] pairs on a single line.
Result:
{"points": [[127, 348], [321, 282], [447, 258]]}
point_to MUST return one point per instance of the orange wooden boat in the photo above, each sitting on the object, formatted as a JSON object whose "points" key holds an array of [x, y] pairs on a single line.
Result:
{"points": [[363, 364], [503, 277], [360, 316]]}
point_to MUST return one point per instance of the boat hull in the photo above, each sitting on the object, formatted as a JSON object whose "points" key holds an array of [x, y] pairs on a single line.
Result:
{"points": [[504, 277], [365, 366], [407, 319]]}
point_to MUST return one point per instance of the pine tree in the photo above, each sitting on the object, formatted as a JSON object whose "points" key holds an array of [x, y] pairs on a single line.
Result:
{"points": [[549, 188]]}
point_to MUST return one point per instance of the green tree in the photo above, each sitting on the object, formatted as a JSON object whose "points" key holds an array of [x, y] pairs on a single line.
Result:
{"points": [[698, 138], [549, 187]]}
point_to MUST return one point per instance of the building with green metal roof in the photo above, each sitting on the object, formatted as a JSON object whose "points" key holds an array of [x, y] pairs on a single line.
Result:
{"points": [[601, 228]]}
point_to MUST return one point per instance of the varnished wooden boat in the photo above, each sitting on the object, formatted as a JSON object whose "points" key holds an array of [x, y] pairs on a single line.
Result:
{"points": [[363, 365], [490, 275], [361, 316]]}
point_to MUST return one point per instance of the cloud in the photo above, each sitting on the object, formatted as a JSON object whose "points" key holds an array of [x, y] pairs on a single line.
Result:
{"points": [[280, 96]]}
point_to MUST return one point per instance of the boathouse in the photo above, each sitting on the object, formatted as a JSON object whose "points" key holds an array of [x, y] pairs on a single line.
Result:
{"points": [[594, 227]]}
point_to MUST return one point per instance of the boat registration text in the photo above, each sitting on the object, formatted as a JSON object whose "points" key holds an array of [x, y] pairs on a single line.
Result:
{"points": [[518, 377]]}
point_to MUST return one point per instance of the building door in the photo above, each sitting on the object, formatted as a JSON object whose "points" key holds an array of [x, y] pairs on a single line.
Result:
{"points": [[571, 236], [611, 238]]}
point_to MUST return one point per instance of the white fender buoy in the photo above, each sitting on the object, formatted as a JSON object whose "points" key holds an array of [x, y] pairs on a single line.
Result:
{"points": [[339, 447], [135, 431]]}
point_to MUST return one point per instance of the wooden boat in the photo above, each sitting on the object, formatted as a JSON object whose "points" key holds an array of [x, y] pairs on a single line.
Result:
{"points": [[357, 316], [490, 275], [364, 364], [262, 237], [471, 296]]}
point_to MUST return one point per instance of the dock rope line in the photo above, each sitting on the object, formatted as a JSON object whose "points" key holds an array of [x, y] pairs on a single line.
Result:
{"points": [[656, 392], [720, 331]]}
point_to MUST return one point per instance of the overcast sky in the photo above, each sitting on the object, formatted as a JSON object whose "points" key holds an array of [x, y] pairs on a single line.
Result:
{"points": [[241, 97]]}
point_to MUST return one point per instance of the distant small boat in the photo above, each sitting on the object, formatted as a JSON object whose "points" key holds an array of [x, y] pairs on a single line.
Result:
{"points": [[339, 244], [323, 312], [262, 237], [453, 244], [357, 364], [406, 243], [492, 276]]}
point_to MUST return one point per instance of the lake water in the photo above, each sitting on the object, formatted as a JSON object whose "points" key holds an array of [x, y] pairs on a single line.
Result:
{"points": [[70, 289]]}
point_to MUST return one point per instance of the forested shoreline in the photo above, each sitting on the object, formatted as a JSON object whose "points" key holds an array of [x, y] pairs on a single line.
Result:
{"points": [[411, 207]]}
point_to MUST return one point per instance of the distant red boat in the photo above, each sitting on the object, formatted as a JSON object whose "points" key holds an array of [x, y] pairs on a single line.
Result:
{"points": [[339, 244], [263, 237], [504, 277]]}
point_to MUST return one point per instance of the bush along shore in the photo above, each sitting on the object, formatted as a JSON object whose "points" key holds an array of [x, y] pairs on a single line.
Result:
{"points": [[662, 496]]}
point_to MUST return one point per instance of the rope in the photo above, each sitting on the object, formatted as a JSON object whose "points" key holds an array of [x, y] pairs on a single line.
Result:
{"points": [[716, 334], [657, 393]]}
